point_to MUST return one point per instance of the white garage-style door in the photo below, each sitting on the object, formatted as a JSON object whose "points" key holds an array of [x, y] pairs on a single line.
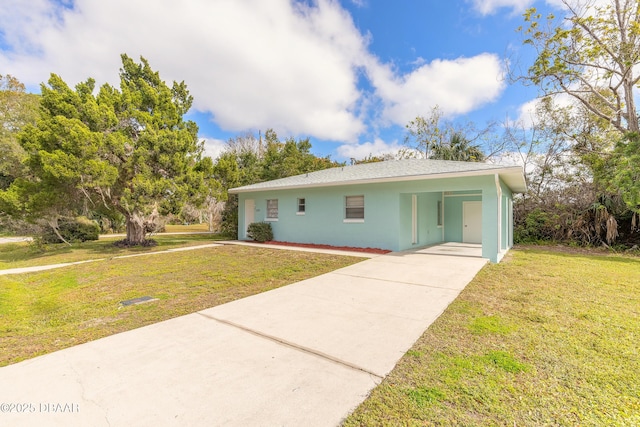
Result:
{"points": [[472, 222]]}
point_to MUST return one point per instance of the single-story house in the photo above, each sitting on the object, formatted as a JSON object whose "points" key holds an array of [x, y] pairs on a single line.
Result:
{"points": [[393, 205]]}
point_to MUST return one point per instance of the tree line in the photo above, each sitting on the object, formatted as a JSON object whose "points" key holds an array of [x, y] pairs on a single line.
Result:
{"points": [[580, 146], [125, 156]]}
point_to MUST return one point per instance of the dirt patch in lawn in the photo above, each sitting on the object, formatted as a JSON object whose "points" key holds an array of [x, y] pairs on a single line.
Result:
{"points": [[337, 248]]}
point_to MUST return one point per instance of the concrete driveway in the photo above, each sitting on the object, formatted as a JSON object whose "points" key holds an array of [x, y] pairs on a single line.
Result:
{"points": [[305, 354]]}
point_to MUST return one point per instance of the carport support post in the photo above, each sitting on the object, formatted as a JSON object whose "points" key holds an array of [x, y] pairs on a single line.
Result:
{"points": [[499, 216], [489, 221]]}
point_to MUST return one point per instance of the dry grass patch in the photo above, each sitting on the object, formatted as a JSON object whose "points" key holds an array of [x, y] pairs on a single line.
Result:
{"points": [[177, 228], [542, 338], [51, 310]]}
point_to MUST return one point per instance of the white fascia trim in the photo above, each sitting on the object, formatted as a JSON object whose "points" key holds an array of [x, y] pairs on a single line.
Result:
{"points": [[463, 195], [489, 172], [499, 191]]}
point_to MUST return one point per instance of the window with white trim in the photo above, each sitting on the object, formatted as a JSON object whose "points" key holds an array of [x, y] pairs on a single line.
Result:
{"points": [[301, 206], [354, 208], [272, 209]]}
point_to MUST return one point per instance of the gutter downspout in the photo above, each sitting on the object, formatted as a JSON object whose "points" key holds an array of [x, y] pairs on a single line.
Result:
{"points": [[499, 192]]}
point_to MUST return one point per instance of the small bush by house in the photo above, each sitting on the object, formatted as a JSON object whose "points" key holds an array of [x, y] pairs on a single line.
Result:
{"points": [[260, 231], [78, 229]]}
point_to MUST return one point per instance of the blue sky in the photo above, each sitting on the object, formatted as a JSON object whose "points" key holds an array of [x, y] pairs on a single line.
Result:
{"points": [[348, 74]]}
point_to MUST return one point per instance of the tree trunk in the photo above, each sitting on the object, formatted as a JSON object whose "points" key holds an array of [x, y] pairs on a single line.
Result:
{"points": [[632, 115], [53, 223], [135, 229]]}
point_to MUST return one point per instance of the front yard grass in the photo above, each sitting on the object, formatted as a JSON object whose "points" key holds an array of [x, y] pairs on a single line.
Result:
{"points": [[27, 254], [47, 311], [541, 339]]}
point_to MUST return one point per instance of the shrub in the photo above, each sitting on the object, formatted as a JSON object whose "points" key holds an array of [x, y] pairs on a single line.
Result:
{"points": [[111, 222], [537, 226], [78, 229], [260, 231], [229, 224]]}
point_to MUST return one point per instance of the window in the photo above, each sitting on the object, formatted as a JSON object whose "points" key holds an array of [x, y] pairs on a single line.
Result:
{"points": [[439, 214], [272, 209], [354, 208], [301, 206]]}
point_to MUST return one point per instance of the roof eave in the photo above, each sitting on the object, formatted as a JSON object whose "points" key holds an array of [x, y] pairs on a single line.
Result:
{"points": [[513, 172]]}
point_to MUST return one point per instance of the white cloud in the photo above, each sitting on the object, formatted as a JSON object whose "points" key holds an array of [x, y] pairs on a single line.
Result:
{"points": [[508, 158], [456, 86], [213, 147], [251, 64], [526, 115], [488, 7], [527, 111], [376, 148]]}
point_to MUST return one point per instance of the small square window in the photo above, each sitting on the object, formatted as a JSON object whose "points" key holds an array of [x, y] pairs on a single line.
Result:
{"points": [[354, 207], [272, 209], [301, 206]]}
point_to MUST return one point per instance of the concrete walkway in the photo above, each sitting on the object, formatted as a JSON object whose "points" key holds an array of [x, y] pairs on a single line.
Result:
{"points": [[17, 239], [36, 268], [305, 354], [358, 254]]}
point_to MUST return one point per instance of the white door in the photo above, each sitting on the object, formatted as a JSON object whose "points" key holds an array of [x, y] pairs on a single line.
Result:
{"points": [[249, 214], [472, 222]]}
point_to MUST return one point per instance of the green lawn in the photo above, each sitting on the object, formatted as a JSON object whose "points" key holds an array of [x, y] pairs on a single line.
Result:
{"points": [[54, 309], [542, 339], [26, 254]]}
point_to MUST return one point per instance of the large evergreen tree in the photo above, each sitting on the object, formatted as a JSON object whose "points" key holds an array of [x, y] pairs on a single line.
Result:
{"points": [[128, 151], [17, 109]]}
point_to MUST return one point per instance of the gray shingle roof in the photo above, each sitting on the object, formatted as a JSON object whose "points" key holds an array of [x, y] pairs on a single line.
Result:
{"points": [[392, 170]]}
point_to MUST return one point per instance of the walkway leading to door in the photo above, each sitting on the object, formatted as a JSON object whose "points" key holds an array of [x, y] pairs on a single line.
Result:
{"points": [[304, 354]]}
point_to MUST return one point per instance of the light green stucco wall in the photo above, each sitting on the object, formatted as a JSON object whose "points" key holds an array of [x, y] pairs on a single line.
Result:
{"points": [[428, 231], [323, 221], [388, 214]]}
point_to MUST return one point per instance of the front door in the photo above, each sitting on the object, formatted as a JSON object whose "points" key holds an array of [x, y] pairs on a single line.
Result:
{"points": [[249, 214], [472, 222]]}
